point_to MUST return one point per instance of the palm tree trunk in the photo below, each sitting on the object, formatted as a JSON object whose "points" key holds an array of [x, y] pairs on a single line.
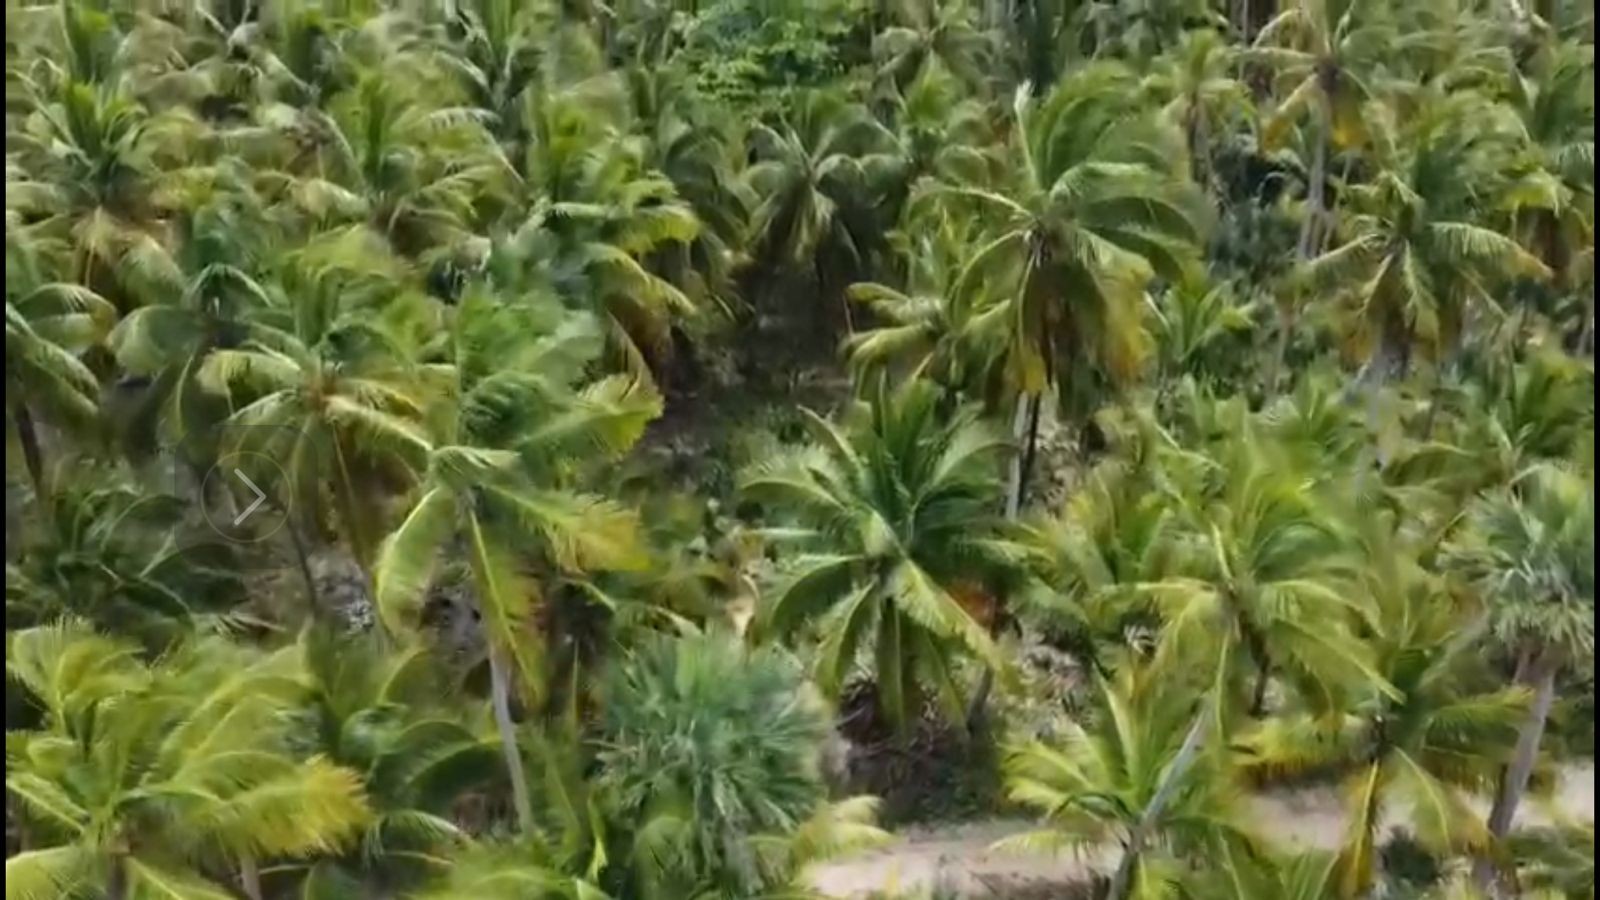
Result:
{"points": [[1192, 742], [1014, 485], [1540, 674], [1280, 352], [1309, 237], [117, 879], [303, 561], [32, 456], [250, 878], [500, 698]]}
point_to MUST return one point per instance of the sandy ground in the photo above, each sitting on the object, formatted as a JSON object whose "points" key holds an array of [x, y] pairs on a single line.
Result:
{"points": [[961, 857]]}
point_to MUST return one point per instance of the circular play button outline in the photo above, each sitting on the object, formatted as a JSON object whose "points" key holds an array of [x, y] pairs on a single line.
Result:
{"points": [[241, 475]]}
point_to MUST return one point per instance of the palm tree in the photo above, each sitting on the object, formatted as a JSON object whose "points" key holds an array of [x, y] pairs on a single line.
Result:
{"points": [[1323, 51], [47, 326], [1094, 213], [1530, 552], [1551, 200], [711, 766], [933, 130], [1114, 784], [1411, 264], [1199, 93], [377, 712], [929, 330], [930, 33], [811, 216], [1264, 573], [1425, 745], [420, 171], [147, 780], [122, 558], [600, 217], [321, 386], [510, 424], [895, 513]]}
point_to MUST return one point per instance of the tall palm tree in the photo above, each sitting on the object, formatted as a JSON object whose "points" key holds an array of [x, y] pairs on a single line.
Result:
{"points": [[1199, 93], [321, 386], [47, 327], [1530, 552], [150, 780], [1095, 211], [812, 217], [1423, 748], [1412, 263], [1324, 52], [1113, 784], [509, 427], [895, 514], [928, 33]]}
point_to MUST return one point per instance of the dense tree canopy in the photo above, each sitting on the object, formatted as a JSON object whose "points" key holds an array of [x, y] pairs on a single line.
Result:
{"points": [[534, 449]]}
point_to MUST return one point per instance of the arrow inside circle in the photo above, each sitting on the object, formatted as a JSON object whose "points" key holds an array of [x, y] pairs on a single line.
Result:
{"points": [[260, 497]]}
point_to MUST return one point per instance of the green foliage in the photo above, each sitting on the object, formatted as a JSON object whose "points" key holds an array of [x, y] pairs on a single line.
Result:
{"points": [[508, 291]]}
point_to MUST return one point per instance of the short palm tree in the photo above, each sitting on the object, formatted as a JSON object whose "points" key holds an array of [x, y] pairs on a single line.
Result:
{"points": [[711, 755], [1113, 784], [896, 515], [152, 780], [929, 33], [1530, 552], [504, 437], [377, 713], [122, 558], [1200, 94]]}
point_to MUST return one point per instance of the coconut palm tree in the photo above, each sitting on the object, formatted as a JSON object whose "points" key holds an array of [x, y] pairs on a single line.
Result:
{"points": [[151, 780], [321, 386], [1530, 551], [122, 558], [1199, 93], [1092, 215], [1113, 784], [928, 33], [47, 326], [1324, 52], [1411, 262], [508, 429], [1422, 748], [812, 215], [895, 515], [378, 712]]}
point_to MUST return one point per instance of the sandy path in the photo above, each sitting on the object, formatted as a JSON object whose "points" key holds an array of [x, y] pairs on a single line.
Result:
{"points": [[960, 856]]}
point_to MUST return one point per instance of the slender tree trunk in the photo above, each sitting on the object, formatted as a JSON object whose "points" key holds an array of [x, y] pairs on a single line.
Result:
{"points": [[1014, 486], [117, 879], [1280, 352], [1540, 674], [250, 878], [1192, 742], [32, 456], [1027, 420], [303, 562], [500, 697], [1314, 190], [1258, 694]]}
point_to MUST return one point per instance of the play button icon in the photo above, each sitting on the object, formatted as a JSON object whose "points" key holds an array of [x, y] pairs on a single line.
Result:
{"points": [[244, 497]]}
